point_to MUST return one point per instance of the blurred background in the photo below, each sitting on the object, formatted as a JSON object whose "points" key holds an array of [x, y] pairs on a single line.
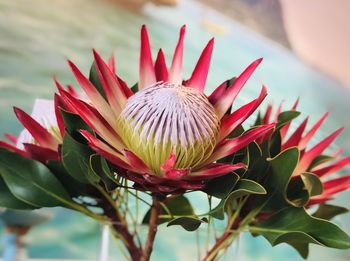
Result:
{"points": [[305, 45]]}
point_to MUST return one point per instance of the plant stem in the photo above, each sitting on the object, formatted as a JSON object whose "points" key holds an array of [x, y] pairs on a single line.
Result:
{"points": [[220, 243], [231, 232], [120, 227], [152, 229]]}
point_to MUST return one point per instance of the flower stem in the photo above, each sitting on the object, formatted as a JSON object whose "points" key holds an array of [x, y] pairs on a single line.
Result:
{"points": [[120, 227], [220, 243], [232, 231], [152, 229]]}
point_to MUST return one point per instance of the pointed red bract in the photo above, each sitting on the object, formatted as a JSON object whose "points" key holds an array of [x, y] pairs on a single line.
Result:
{"points": [[200, 72], [230, 122], [225, 102], [176, 65], [105, 151], [331, 188], [218, 93], [305, 140], [169, 164], [111, 63], [267, 115], [147, 75], [214, 170], [94, 120], [278, 111], [295, 138], [176, 174], [285, 128], [136, 162], [40, 153], [229, 146], [127, 91], [311, 154], [111, 86], [96, 98], [160, 68], [11, 138], [39, 133], [330, 169], [58, 105], [13, 148]]}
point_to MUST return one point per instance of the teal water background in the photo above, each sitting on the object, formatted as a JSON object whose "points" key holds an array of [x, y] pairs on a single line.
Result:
{"points": [[36, 36]]}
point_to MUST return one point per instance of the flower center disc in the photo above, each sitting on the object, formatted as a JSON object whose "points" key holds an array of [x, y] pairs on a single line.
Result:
{"points": [[165, 118]]}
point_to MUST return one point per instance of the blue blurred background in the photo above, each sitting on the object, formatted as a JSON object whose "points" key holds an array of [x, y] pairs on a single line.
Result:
{"points": [[36, 36]]}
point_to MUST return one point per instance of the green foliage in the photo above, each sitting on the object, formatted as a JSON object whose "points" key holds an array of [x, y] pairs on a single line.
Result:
{"points": [[72, 185], [8, 200], [76, 160], [174, 206], [30, 182], [188, 223], [93, 77], [222, 186], [320, 160], [74, 123], [281, 170], [312, 183], [135, 88], [244, 187], [101, 170], [328, 212], [285, 117], [178, 210], [297, 228]]}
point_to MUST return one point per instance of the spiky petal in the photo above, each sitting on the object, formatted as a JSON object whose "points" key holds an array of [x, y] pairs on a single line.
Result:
{"points": [[226, 100], [147, 75], [176, 65], [200, 72]]}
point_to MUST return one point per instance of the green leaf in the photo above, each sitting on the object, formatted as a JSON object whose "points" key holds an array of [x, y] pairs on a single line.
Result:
{"points": [[286, 117], [282, 167], [72, 186], [101, 170], [76, 160], [244, 187], [31, 181], [135, 88], [296, 227], [258, 165], [175, 206], [8, 200], [93, 77], [301, 247], [222, 186], [328, 212], [258, 120], [73, 123], [319, 160], [275, 144], [312, 183], [302, 187], [188, 223]]}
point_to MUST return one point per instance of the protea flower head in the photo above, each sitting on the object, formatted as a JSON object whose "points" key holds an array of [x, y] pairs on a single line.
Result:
{"points": [[42, 135], [312, 159], [168, 135]]}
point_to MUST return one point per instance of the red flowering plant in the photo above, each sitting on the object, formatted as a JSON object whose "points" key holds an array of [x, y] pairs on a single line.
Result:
{"points": [[163, 138]]}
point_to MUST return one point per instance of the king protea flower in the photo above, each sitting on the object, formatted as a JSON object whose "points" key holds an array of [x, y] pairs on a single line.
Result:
{"points": [[311, 158], [169, 134], [42, 135]]}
